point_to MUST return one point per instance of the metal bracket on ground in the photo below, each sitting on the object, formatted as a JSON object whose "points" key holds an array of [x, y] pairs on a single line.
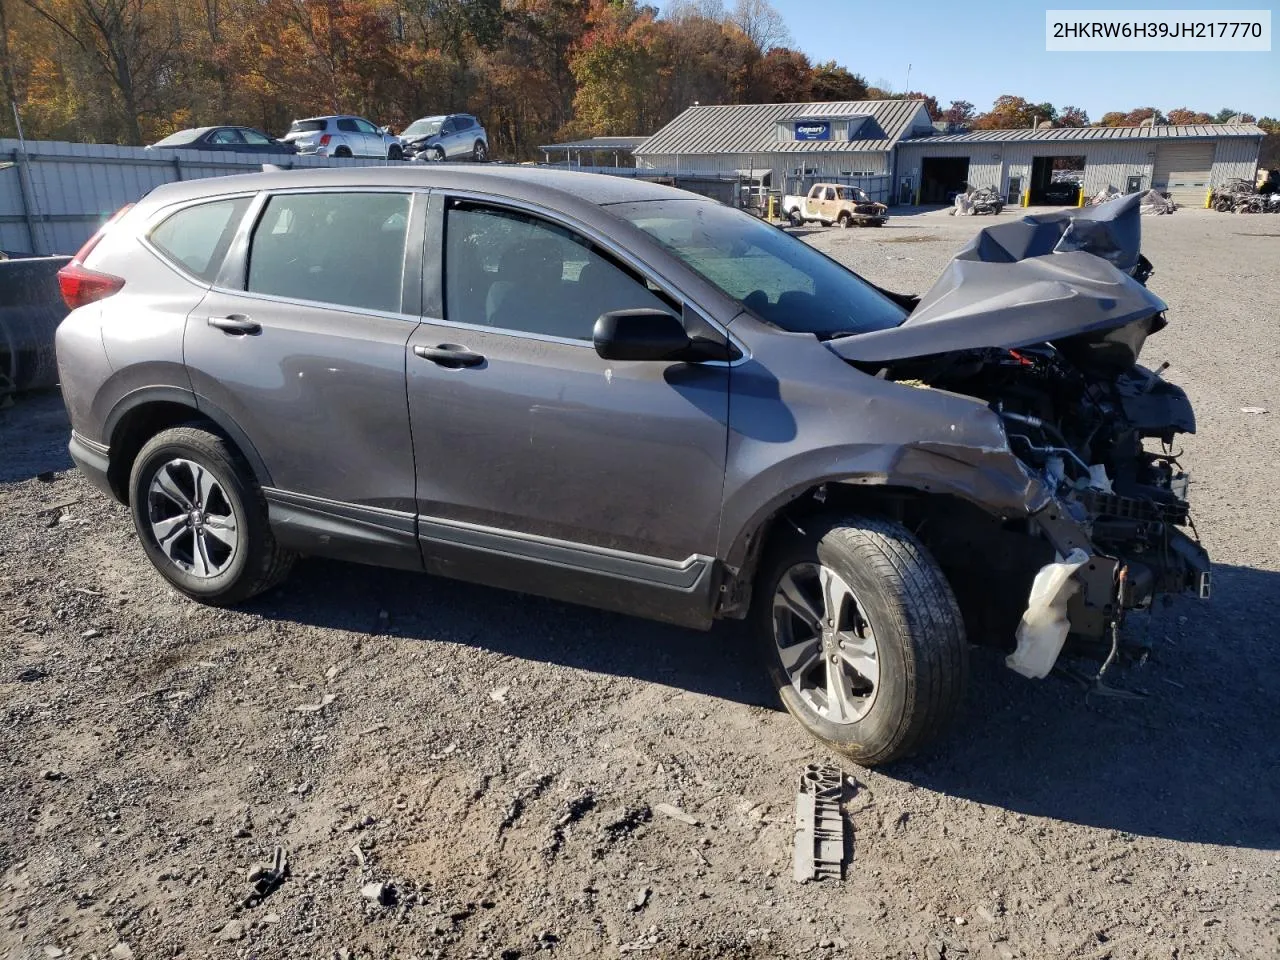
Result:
{"points": [[820, 827]]}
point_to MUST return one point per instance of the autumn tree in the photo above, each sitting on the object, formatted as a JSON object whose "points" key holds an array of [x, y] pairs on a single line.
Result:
{"points": [[1009, 113], [1182, 115], [1072, 117], [129, 43], [960, 113], [1133, 118], [834, 82], [786, 76], [930, 103], [760, 23]]}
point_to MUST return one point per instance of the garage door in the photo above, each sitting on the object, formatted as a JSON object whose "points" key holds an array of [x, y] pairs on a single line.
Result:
{"points": [[1183, 169]]}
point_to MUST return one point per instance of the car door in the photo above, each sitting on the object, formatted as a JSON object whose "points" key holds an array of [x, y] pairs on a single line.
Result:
{"points": [[257, 142], [374, 145], [352, 137], [542, 467], [224, 138], [449, 138], [301, 343]]}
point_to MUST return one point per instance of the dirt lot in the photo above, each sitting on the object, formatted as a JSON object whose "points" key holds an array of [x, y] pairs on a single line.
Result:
{"points": [[496, 760]]}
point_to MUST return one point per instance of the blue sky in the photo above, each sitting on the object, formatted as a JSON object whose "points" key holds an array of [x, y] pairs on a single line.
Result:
{"points": [[981, 49]]}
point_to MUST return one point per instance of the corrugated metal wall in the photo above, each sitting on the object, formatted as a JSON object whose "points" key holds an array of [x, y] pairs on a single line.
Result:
{"points": [[781, 165], [1235, 157], [1108, 163], [55, 195]]}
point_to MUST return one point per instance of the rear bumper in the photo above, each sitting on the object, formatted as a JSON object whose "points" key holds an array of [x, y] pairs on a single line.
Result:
{"points": [[93, 460]]}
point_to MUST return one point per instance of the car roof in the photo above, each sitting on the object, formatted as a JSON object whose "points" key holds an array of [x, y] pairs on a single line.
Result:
{"points": [[558, 189], [332, 116]]}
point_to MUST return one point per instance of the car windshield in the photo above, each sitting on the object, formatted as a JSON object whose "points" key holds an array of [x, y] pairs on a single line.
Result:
{"points": [[306, 126], [779, 278], [426, 127], [181, 137]]}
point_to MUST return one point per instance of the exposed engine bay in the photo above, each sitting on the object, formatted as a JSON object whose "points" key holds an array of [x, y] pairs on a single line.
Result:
{"points": [[1059, 366]]}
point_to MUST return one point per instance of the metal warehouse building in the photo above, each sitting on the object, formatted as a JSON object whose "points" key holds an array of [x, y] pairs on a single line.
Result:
{"points": [[891, 149], [782, 146], [1184, 161]]}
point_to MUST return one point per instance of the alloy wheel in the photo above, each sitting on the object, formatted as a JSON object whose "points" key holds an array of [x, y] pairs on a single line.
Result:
{"points": [[192, 519], [825, 643]]}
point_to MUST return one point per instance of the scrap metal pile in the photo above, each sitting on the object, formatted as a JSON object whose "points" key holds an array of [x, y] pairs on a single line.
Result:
{"points": [[1239, 196], [976, 201], [1155, 203]]}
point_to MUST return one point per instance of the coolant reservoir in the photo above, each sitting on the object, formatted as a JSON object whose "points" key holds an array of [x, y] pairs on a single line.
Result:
{"points": [[1044, 625]]}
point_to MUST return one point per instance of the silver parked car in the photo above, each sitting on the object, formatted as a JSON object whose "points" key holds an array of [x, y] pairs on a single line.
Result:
{"points": [[344, 137], [454, 136], [616, 393]]}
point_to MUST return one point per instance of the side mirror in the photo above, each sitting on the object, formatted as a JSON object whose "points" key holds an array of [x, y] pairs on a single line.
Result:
{"points": [[384, 130], [643, 334]]}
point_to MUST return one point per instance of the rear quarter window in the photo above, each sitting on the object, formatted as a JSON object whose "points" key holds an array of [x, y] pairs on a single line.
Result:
{"points": [[195, 239]]}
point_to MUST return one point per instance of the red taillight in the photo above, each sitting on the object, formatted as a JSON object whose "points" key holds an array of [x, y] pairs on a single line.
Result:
{"points": [[324, 141], [80, 285]]}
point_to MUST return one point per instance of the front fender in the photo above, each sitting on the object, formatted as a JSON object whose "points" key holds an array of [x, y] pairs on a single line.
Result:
{"points": [[800, 416], [991, 479]]}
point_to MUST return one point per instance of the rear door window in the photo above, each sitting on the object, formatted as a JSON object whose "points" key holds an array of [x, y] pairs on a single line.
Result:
{"points": [[345, 249], [195, 239]]}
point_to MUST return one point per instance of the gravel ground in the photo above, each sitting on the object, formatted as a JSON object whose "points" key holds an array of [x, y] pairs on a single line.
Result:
{"points": [[461, 772]]}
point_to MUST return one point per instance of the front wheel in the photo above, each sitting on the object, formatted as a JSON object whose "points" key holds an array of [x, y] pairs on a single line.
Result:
{"points": [[845, 221], [862, 636], [202, 517], [394, 152]]}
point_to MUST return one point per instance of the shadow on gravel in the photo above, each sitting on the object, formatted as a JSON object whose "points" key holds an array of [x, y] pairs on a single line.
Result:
{"points": [[33, 436], [1196, 760], [720, 663]]}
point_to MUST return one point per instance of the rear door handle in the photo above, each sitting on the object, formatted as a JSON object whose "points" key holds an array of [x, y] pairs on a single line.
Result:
{"points": [[237, 324], [450, 355]]}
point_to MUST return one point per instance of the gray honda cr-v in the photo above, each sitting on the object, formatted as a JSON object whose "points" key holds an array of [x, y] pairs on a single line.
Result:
{"points": [[620, 394]]}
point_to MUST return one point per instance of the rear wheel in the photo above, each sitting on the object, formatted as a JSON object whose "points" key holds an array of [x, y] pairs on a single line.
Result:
{"points": [[862, 636], [480, 152], [342, 152], [795, 218], [202, 518]]}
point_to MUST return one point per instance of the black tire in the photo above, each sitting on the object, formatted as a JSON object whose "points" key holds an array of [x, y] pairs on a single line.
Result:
{"points": [[480, 152], [256, 563], [900, 591], [395, 153], [437, 154], [342, 152], [795, 218]]}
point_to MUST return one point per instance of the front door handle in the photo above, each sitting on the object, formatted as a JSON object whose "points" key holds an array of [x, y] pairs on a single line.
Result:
{"points": [[237, 324], [450, 355]]}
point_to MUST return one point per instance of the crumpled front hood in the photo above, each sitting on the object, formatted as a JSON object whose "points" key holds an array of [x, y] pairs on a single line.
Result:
{"points": [[1039, 279], [976, 304]]}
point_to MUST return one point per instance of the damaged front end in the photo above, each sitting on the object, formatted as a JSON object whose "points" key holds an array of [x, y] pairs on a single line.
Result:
{"points": [[1044, 320]]}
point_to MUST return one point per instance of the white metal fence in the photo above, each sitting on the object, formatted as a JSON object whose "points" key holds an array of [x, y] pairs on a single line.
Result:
{"points": [[54, 195]]}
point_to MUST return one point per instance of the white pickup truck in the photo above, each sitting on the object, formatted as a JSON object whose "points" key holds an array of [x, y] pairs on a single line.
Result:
{"points": [[834, 203]]}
